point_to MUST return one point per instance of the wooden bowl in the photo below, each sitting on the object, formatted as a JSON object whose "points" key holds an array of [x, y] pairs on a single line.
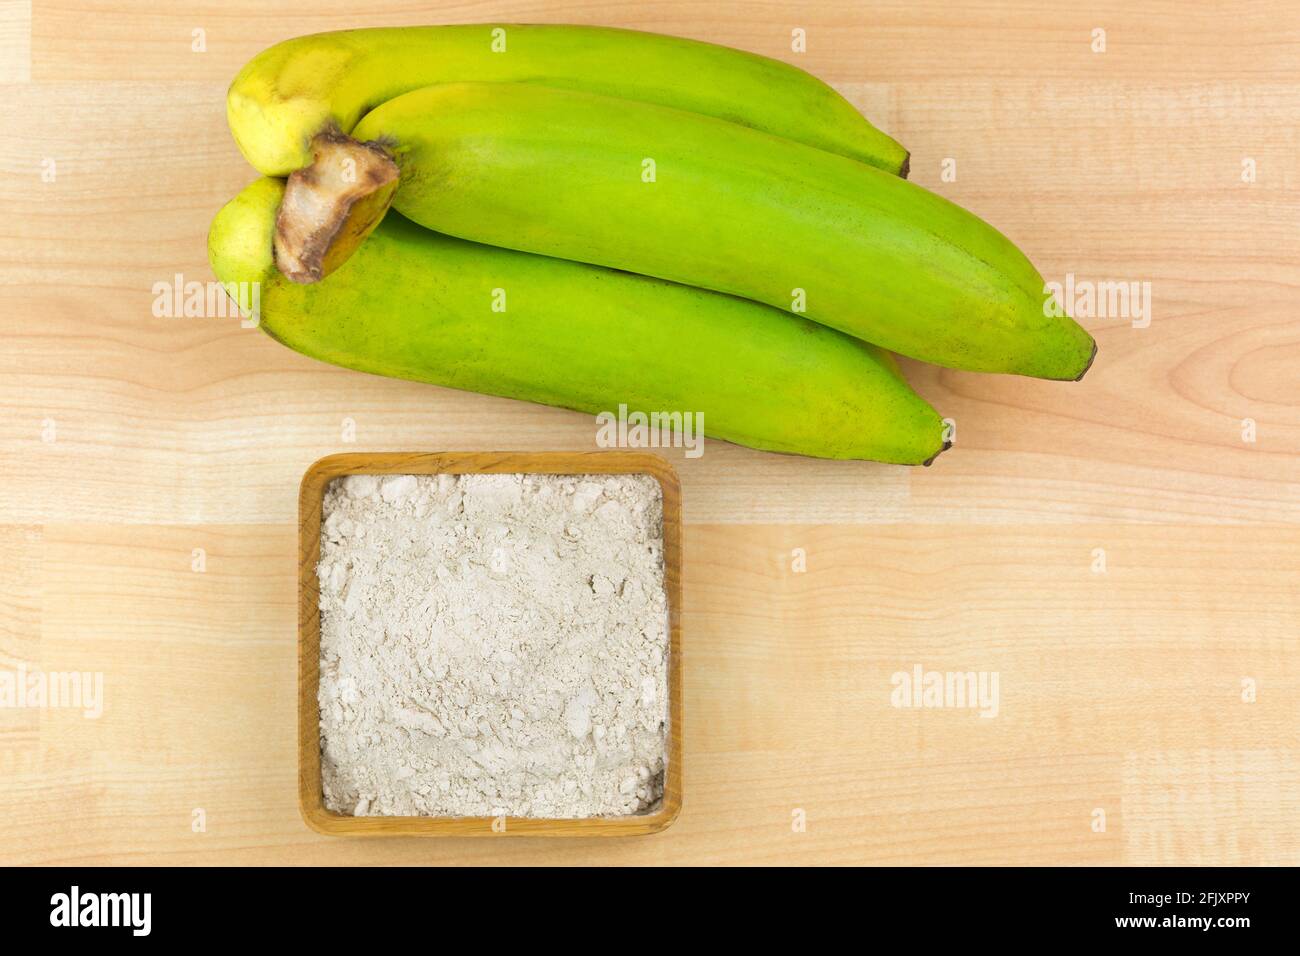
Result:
{"points": [[311, 798]]}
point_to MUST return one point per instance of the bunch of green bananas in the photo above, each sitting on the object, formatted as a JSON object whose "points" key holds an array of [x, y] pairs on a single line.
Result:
{"points": [[593, 218]]}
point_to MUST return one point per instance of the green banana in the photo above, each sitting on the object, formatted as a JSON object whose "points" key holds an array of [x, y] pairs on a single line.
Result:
{"points": [[414, 304], [707, 203], [297, 89]]}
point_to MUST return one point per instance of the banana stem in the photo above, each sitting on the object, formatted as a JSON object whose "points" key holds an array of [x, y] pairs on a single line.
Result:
{"points": [[331, 206]]}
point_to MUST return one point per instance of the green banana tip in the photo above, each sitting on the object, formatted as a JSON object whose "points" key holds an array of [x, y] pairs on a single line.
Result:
{"points": [[930, 461], [1091, 358]]}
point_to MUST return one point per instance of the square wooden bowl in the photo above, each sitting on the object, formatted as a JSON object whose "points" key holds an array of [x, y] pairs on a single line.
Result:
{"points": [[311, 797]]}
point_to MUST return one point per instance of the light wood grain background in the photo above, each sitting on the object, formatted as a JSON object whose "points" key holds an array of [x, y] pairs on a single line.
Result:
{"points": [[1120, 691]]}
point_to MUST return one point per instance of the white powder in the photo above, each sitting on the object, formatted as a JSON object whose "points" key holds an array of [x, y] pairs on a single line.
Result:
{"points": [[493, 644]]}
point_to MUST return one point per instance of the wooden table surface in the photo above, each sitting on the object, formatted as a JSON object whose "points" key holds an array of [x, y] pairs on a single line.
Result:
{"points": [[1123, 553]]}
